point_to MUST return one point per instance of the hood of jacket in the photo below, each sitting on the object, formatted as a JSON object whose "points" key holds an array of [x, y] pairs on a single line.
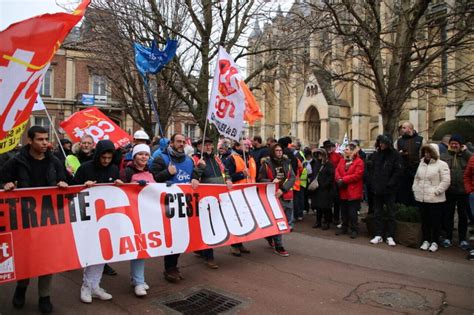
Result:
{"points": [[432, 149], [102, 147], [323, 153]]}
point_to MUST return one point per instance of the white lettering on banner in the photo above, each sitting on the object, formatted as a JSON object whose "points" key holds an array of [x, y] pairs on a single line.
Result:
{"points": [[109, 233], [213, 228], [4, 250], [274, 204], [111, 227], [255, 204], [96, 132], [239, 219], [151, 218], [11, 77]]}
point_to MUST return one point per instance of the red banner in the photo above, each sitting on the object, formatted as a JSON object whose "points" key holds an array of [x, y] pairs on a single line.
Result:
{"points": [[49, 230], [26, 50], [93, 122]]}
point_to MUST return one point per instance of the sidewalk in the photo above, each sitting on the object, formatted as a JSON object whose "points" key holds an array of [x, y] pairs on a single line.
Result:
{"points": [[325, 274]]}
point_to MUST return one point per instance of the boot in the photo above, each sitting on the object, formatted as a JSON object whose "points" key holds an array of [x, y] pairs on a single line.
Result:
{"points": [[45, 305], [19, 297]]}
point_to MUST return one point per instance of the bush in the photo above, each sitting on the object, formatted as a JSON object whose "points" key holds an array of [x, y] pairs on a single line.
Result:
{"points": [[458, 126], [406, 213]]}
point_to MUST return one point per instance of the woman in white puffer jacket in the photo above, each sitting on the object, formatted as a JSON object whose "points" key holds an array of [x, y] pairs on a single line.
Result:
{"points": [[432, 179]]}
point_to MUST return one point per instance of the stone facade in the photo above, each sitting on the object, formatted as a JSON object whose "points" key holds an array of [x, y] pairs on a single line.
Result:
{"points": [[296, 101]]}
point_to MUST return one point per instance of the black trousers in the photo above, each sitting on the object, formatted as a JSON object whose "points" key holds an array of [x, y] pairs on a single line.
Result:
{"points": [[461, 203], [389, 201], [336, 212], [323, 213], [208, 254], [171, 261], [431, 216], [349, 214]]}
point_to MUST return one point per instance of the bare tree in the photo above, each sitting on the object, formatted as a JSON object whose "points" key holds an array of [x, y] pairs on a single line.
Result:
{"points": [[400, 48], [199, 26]]}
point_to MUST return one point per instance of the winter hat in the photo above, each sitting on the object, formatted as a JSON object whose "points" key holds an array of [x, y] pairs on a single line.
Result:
{"points": [[456, 138], [141, 135], [140, 148], [285, 141], [328, 143], [385, 138]]}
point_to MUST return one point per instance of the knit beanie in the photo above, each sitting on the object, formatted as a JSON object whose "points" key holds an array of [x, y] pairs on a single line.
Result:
{"points": [[456, 138], [140, 148]]}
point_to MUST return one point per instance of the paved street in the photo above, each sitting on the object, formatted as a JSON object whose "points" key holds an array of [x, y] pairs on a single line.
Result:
{"points": [[325, 274]]}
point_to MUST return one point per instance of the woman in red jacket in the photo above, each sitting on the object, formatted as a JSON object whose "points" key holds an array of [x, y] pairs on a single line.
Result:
{"points": [[349, 179]]}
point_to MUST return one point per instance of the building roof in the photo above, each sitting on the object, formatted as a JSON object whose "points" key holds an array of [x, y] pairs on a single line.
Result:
{"points": [[467, 109]]}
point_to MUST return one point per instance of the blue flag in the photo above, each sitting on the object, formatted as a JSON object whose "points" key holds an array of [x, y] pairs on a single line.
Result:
{"points": [[152, 60]]}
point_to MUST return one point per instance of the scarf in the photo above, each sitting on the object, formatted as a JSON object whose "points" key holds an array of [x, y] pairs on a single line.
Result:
{"points": [[175, 154]]}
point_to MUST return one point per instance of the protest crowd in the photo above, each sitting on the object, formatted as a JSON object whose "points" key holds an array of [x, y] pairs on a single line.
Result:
{"points": [[331, 182], [330, 185]]}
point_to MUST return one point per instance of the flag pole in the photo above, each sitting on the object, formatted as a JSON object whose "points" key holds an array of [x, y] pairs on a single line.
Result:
{"points": [[153, 104], [55, 133], [203, 137]]}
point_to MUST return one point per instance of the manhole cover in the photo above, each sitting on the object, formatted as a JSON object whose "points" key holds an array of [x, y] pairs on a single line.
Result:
{"points": [[203, 302], [398, 297]]}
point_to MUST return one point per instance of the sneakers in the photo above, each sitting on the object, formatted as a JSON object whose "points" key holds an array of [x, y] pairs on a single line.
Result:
{"points": [[172, 275], [316, 225], [212, 264], [281, 251], [353, 234], [45, 305], [464, 245], [19, 297], [86, 294], [98, 293], [376, 240], [433, 247], [109, 271], [145, 285], [470, 256], [391, 242], [446, 243], [235, 251], [425, 245], [140, 290]]}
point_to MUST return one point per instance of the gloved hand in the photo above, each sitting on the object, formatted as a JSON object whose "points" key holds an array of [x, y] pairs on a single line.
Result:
{"points": [[169, 183], [142, 182]]}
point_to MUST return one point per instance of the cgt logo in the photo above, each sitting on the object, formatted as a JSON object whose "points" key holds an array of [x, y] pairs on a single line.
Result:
{"points": [[7, 266]]}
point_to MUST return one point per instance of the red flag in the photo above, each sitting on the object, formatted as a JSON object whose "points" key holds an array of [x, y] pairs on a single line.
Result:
{"points": [[26, 50], [93, 122], [252, 110]]}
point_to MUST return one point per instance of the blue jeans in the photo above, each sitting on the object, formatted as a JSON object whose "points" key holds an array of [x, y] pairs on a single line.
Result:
{"points": [[288, 208], [137, 271]]}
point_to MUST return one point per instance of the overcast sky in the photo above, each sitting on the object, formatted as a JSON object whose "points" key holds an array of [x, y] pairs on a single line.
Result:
{"points": [[12, 11]]}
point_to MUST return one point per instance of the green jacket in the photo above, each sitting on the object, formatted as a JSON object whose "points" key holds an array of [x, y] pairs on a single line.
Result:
{"points": [[457, 163]]}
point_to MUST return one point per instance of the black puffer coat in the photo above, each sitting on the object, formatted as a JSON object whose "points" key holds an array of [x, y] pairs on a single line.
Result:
{"points": [[94, 171], [323, 197], [384, 171]]}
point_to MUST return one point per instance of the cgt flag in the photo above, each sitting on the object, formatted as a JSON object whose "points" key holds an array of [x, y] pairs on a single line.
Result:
{"points": [[231, 101], [93, 122], [26, 50]]}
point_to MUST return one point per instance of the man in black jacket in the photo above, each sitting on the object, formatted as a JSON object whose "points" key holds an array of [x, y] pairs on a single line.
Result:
{"points": [[33, 166], [409, 146], [384, 176], [99, 170]]}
